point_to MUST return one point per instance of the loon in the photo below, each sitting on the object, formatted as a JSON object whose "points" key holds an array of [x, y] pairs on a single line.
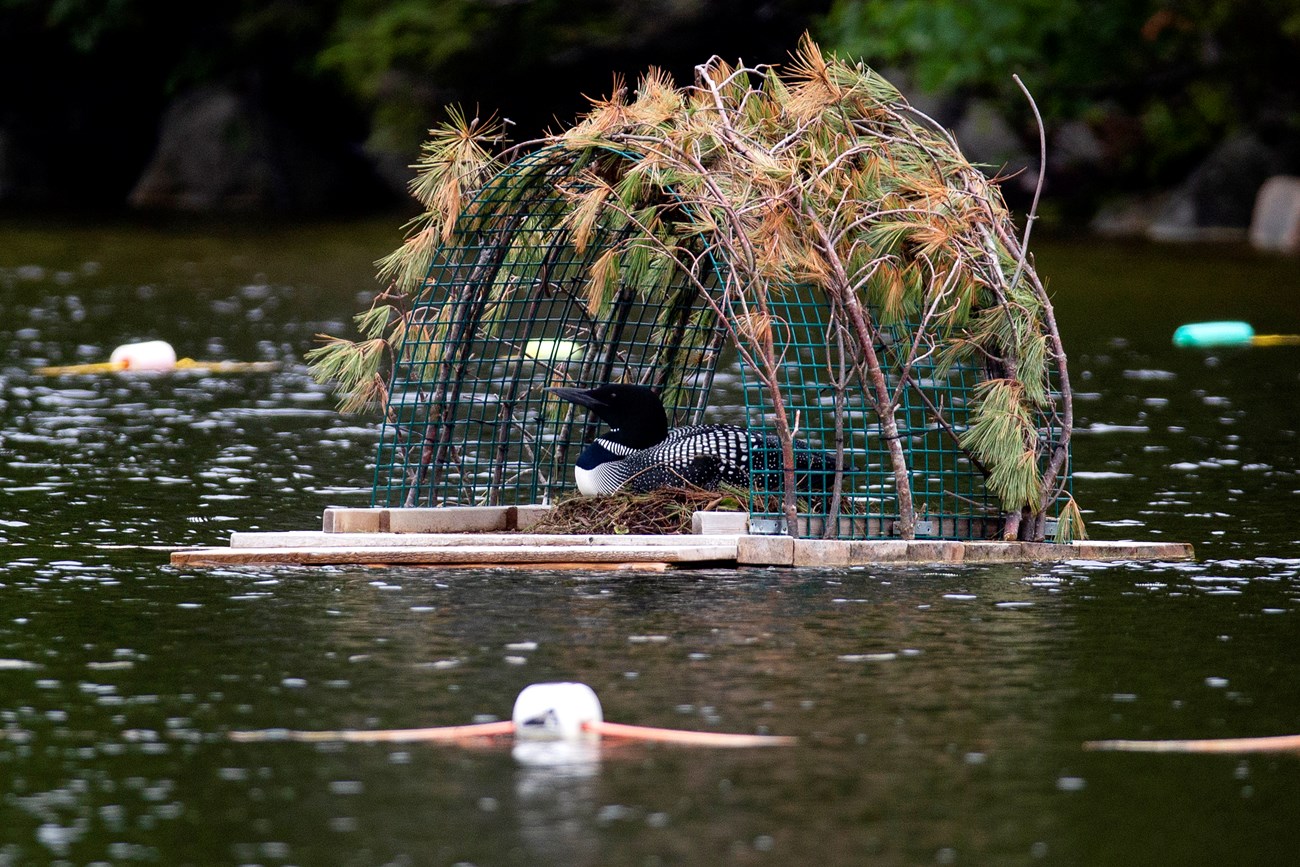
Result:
{"points": [[640, 454]]}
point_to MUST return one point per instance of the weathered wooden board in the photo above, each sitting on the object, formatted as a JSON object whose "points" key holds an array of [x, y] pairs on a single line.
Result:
{"points": [[446, 519], [482, 536], [317, 539], [458, 555], [784, 551], [492, 549]]}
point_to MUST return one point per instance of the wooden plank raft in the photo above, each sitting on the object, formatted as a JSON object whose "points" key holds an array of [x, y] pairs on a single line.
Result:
{"points": [[497, 536]]}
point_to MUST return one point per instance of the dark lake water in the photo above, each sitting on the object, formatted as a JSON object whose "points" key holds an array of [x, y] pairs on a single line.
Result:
{"points": [[940, 711]]}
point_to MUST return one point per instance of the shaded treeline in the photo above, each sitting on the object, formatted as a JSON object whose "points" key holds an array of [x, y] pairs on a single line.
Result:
{"points": [[1135, 94], [87, 82]]}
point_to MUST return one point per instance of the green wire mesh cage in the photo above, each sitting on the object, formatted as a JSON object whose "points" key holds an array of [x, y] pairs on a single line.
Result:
{"points": [[506, 313], [508, 310], [830, 410]]}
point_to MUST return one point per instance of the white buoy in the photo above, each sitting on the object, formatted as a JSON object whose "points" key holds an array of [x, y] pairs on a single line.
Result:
{"points": [[556, 725], [553, 351], [149, 355], [556, 711]]}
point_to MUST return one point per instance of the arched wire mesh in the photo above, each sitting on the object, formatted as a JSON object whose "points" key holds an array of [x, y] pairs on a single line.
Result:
{"points": [[827, 404], [508, 311]]}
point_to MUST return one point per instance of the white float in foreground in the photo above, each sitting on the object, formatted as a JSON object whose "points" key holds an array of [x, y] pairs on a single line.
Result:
{"points": [[556, 712]]}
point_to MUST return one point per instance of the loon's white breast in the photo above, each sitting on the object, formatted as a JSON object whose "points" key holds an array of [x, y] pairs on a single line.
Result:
{"points": [[596, 480], [588, 481]]}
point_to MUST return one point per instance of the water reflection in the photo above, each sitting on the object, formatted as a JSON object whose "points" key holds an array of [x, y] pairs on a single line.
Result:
{"points": [[556, 795], [939, 711]]}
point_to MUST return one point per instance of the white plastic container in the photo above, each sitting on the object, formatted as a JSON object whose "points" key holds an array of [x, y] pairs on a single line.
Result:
{"points": [[149, 355], [556, 711]]}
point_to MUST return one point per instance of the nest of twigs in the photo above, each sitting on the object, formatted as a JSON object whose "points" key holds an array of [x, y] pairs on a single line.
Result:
{"points": [[658, 513]]}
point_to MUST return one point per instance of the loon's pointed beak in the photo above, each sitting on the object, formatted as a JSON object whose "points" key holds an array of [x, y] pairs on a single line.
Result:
{"points": [[581, 397]]}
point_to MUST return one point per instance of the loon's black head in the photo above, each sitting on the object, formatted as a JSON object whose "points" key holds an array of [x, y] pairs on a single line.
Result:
{"points": [[634, 412]]}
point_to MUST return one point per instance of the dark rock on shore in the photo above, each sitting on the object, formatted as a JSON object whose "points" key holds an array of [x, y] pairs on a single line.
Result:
{"points": [[220, 151], [1217, 197]]}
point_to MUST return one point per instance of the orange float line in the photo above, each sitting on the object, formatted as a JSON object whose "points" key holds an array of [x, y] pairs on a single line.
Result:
{"points": [[452, 734], [687, 738], [1274, 744], [442, 734], [181, 364]]}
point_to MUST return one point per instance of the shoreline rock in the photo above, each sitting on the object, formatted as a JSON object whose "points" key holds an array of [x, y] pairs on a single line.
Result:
{"points": [[219, 151], [1275, 221]]}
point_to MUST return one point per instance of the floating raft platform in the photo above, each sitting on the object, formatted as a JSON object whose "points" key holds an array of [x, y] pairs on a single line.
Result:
{"points": [[498, 536]]}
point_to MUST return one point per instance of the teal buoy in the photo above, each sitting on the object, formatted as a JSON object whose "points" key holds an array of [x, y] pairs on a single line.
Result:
{"points": [[1224, 333], [1229, 333]]}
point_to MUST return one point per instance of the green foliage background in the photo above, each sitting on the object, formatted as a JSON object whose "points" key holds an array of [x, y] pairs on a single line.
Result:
{"points": [[1160, 81], [1164, 79]]}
